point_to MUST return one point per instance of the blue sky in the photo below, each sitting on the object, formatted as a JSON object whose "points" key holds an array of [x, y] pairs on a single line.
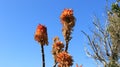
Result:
{"points": [[18, 21]]}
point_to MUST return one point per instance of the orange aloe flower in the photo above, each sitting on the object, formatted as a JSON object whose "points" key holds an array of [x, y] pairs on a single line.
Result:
{"points": [[64, 59], [58, 45], [67, 17], [57, 48], [68, 21], [41, 35]]}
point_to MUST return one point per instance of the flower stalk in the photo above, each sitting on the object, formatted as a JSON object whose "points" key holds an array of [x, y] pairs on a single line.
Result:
{"points": [[43, 56], [56, 48], [66, 48], [41, 37], [68, 22]]}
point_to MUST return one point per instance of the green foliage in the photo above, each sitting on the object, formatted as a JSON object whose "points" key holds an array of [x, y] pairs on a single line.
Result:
{"points": [[114, 29], [113, 64], [116, 8]]}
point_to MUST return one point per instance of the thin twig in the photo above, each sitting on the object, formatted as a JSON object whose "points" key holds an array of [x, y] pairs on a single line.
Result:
{"points": [[94, 48]]}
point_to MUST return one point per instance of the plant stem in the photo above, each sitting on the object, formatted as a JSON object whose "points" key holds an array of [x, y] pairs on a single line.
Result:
{"points": [[43, 56], [55, 64], [66, 48]]}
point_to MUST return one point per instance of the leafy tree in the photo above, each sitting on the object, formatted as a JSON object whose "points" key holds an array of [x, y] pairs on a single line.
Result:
{"points": [[105, 41]]}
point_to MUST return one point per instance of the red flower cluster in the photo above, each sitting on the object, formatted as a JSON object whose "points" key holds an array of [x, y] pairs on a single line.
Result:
{"points": [[58, 45], [41, 35], [67, 17], [68, 21], [64, 59]]}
